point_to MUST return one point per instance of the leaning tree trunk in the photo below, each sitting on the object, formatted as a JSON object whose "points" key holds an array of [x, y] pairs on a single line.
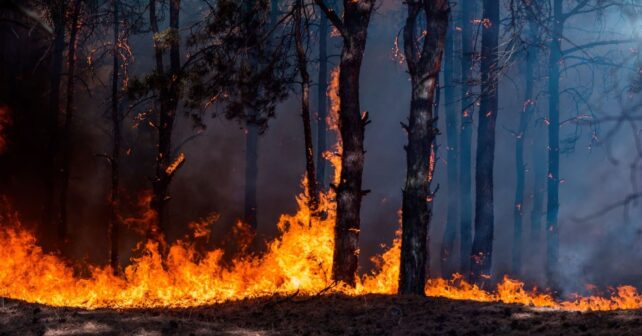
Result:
{"points": [[482, 251], [302, 64], [57, 9], [520, 137], [424, 64], [552, 209], [466, 134], [322, 101], [448, 266], [114, 224], [67, 130]]}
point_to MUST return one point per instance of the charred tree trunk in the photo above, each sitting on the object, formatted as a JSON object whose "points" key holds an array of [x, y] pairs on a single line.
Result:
{"points": [[67, 130], [352, 123], [114, 224], [252, 127], [465, 136], [424, 64], [552, 208], [302, 64], [322, 102], [169, 93], [57, 9], [251, 173], [482, 251], [448, 265], [520, 137]]}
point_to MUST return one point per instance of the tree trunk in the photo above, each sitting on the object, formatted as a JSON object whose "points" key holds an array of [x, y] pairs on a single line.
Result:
{"points": [[354, 30], [302, 63], [552, 229], [465, 137], [482, 251], [252, 128], [424, 67], [450, 233], [67, 130], [322, 102], [114, 224], [57, 9], [520, 166], [169, 93]]}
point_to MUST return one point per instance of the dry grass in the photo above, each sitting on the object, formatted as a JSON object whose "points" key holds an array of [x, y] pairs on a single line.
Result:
{"points": [[323, 315]]}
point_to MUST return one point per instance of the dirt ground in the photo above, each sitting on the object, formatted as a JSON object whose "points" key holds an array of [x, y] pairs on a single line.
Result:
{"points": [[322, 315]]}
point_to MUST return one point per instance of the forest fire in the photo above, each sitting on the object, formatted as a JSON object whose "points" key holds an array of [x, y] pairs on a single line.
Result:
{"points": [[150, 154], [298, 262]]}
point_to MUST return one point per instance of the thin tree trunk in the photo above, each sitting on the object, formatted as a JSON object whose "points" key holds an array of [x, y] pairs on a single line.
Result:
{"points": [[424, 65], [539, 159], [552, 229], [482, 251], [466, 134], [520, 166], [169, 93], [57, 9], [252, 135], [114, 224], [302, 63], [69, 111], [251, 173], [322, 102], [448, 266]]}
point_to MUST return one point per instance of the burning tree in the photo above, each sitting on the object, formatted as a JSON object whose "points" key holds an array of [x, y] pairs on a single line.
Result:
{"points": [[353, 28]]}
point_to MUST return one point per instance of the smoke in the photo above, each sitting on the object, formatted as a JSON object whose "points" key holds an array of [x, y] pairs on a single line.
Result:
{"points": [[600, 250]]}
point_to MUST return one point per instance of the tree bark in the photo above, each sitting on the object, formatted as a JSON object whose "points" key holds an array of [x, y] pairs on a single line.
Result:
{"points": [[352, 123], [466, 134], [423, 66], [322, 102], [67, 130], [552, 208], [448, 266], [302, 64], [482, 251], [520, 137], [57, 10], [114, 224], [169, 94]]}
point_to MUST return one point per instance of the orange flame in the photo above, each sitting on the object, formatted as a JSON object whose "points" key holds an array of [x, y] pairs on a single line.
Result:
{"points": [[299, 260]]}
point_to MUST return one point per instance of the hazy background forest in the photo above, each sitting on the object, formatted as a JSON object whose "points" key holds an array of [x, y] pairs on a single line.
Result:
{"points": [[598, 162]]}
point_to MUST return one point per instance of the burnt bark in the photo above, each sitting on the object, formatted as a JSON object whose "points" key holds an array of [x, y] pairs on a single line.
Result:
{"points": [[553, 181], [66, 135], [353, 27], [169, 95], [302, 64], [114, 197], [424, 65], [466, 134], [448, 263], [482, 250], [57, 10], [520, 138], [322, 101]]}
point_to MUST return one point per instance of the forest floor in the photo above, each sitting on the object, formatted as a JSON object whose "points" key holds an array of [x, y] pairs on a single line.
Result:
{"points": [[321, 315]]}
